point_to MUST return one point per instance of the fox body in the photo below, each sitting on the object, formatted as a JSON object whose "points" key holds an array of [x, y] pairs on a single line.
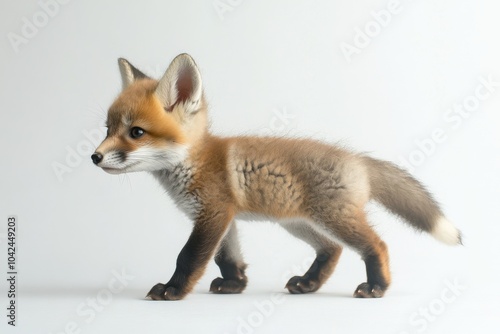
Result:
{"points": [[315, 191]]}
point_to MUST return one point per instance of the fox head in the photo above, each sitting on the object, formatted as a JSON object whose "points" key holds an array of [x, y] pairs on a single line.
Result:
{"points": [[153, 124]]}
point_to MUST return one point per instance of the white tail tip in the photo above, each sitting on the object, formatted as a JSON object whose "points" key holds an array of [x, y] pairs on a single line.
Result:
{"points": [[445, 232]]}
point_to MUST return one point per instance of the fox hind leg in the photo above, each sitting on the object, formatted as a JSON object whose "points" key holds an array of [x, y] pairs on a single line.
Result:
{"points": [[231, 265], [352, 229], [327, 255], [377, 272]]}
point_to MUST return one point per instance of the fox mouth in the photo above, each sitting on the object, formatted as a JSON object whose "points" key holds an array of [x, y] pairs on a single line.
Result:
{"points": [[118, 170], [112, 170]]}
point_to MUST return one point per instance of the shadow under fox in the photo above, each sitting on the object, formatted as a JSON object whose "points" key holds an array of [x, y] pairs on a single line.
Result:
{"points": [[317, 192]]}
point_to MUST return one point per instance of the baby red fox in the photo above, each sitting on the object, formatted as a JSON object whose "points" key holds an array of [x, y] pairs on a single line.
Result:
{"points": [[317, 192]]}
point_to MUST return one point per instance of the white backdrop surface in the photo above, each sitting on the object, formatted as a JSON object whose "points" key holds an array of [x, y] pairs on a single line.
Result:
{"points": [[414, 82]]}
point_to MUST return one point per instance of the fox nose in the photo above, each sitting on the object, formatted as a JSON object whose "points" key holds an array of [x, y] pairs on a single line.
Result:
{"points": [[96, 158]]}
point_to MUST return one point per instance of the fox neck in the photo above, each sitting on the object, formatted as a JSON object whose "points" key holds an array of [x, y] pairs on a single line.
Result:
{"points": [[178, 179], [177, 182], [196, 130], [193, 141], [198, 134]]}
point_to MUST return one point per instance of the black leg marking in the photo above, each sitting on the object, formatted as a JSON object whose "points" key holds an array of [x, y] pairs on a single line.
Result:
{"points": [[377, 273], [318, 273], [192, 259], [231, 266], [327, 256]]}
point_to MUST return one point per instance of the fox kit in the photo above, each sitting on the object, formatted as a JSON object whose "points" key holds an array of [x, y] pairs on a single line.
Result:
{"points": [[315, 191]]}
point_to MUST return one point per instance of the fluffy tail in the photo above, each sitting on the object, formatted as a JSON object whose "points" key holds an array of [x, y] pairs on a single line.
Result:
{"points": [[404, 196]]}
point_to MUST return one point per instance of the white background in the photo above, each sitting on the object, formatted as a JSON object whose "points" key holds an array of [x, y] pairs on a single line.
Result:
{"points": [[258, 60]]}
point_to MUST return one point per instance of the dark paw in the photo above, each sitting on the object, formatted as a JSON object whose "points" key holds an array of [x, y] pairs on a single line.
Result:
{"points": [[366, 290], [223, 286], [162, 292], [299, 284]]}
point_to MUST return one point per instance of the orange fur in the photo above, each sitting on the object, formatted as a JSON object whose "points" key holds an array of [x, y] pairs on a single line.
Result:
{"points": [[315, 191]]}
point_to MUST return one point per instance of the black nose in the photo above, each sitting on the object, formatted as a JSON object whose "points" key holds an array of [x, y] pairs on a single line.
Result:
{"points": [[96, 158]]}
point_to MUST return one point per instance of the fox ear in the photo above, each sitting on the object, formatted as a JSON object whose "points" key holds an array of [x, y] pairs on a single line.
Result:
{"points": [[129, 72], [181, 83]]}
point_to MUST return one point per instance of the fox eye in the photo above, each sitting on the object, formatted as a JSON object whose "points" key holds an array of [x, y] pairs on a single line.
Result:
{"points": [[136, 132]]}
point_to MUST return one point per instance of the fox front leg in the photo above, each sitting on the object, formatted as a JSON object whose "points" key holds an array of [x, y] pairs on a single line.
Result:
{"points": [[193, 258]]}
